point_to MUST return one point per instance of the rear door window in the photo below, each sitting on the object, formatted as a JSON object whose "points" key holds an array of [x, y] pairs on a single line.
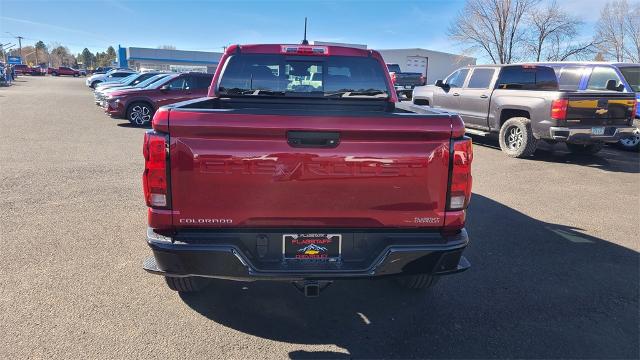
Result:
{"points": [[177, 84], [600, 76], [202, 82], [569, 78], [527, 77], [480, 78]]}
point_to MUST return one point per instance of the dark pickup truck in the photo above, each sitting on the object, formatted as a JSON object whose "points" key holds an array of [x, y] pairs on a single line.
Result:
{"points": [[404, 82], [274, 177], [523, 105]]}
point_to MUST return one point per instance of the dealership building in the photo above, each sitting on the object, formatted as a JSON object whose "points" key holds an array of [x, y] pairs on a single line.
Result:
{"points": [[432, 64], [167, 60]]}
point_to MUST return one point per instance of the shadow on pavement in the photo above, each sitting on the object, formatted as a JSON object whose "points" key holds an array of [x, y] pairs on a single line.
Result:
{"points": [[131, 126], [608, 159], [535, 290]]}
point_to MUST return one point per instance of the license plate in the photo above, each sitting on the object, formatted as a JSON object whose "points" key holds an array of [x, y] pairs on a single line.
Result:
{"points": [[597, 130], [407, 86], [311, 246]]}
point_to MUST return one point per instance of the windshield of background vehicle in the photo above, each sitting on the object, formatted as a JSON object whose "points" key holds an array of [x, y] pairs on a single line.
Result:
{"points": [[632, 75], [151, 80], [302, 76], [394, 68]]}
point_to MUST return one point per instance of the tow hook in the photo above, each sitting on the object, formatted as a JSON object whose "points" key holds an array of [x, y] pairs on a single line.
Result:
{"points": [[311, 288]]}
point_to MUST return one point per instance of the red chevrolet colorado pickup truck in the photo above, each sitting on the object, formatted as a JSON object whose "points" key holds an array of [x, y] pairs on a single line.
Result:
{"points": [[275, 176]]}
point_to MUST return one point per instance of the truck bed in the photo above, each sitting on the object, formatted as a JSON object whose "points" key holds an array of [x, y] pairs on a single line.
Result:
{"points": [[257, 164]]}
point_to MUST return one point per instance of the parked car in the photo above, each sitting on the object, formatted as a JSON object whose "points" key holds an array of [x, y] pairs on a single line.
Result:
{"points": [[22, 69], [112, 75], [130, 82], [147, 83], [574, 76], [100, 70], [138, 106], [404, 82], [523, 104], [64, 70], [272, 178]]}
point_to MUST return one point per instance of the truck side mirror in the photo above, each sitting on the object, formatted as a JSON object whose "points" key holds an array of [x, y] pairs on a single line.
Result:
{"points": [[612, 85], [441, 84]]}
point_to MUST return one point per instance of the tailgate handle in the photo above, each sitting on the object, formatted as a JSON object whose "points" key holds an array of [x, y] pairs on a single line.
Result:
{"points": [[316, 139]]}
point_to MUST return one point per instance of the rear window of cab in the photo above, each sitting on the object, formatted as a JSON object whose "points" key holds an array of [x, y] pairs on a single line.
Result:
{"points": [[303, 76]]}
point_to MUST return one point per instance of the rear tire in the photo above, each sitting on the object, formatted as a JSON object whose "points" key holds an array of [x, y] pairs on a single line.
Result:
{"points": [[581, 149], [186, 284], [632, 143], [418, 281], [516, 138], [54, 73]]}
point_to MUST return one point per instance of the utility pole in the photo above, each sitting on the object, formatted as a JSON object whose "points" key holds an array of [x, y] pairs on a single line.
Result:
{"points": [[20, 47], [19, 44]]}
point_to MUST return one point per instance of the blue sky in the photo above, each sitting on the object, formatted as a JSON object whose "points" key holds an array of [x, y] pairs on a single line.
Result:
{"points": [[209, 25]]}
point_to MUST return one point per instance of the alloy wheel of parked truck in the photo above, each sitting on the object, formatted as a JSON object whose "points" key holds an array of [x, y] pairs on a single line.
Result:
{"points": [[523, 105], [275, 176]]}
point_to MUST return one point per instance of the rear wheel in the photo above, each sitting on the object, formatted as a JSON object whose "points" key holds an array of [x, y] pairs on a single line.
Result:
{"points": [[54, 73], [582, 149], [631, 143], [516, 138], [140, 114], [186, 284], [418, 281]]}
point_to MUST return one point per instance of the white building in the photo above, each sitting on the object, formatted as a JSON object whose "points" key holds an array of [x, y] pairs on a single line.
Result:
{"points": [[435, 65], [168, 60]]}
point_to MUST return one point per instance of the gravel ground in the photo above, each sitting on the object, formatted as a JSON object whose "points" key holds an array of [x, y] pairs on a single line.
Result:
{"points": [[554, 254]]}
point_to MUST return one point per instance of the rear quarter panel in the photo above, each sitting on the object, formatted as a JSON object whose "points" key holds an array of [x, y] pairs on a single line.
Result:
{"points": [[536, 103]]}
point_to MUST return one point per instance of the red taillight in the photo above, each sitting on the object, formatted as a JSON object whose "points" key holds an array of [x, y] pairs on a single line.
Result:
{"points": [[393, 78], [559, 109], [460, 182], [154, 178], [634, 109]]}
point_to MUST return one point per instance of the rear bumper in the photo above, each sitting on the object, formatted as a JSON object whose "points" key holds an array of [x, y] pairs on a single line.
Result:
{"points": [[584, 134], [228, 255]]}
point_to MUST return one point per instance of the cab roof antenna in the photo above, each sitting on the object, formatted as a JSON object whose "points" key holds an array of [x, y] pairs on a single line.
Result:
{"points": [[305, 41]]}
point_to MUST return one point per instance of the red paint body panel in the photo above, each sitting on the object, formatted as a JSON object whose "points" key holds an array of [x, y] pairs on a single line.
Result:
{"points": [[386, 172]]}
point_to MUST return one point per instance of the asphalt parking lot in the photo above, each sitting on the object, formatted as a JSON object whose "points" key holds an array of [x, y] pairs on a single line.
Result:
{"points": [[554, 254]]}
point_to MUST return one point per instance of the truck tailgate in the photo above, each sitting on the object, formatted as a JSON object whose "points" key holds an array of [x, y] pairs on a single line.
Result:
{"points": [[599, 108], [231, 168]]}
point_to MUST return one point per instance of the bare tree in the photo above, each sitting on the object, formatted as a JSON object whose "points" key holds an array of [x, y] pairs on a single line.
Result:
{"points": [[632, 28], [610, 29], [552, 33], [495, 27]]}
